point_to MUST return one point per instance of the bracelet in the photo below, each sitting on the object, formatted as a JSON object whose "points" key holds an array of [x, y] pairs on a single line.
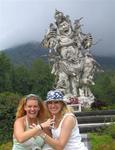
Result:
{"points": [[41, 126]]}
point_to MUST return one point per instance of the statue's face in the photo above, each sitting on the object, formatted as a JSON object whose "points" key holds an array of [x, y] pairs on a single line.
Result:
{"points": [[64, 28]]}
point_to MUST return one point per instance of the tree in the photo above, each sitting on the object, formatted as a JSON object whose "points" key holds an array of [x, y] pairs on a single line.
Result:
{"points": [[104, 88], [41, 77], [8, 106], [5, 73], [21, 80]]}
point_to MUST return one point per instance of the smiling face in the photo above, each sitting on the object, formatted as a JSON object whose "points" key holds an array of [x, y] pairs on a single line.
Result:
{"points": [[55, 107], [32, 108]]}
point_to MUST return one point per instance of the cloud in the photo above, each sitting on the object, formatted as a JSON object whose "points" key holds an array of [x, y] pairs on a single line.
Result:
{"points": [[27, 20]]}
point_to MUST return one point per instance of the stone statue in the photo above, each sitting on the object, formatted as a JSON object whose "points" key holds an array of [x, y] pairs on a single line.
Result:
{"points": [[73, 64]]}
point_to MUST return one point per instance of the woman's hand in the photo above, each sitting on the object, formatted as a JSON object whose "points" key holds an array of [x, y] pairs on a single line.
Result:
{"points": [[48, 123]]}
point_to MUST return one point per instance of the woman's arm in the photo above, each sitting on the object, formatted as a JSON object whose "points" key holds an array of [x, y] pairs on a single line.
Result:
{"points": [[21, 135], [66, 129]]}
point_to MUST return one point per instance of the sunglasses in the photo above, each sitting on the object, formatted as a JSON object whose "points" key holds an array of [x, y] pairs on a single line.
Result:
{"points": [[53, 102]]}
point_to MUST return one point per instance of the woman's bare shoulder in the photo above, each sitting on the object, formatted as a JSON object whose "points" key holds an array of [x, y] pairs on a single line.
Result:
{"points": [[20, 120], [69, 119]]}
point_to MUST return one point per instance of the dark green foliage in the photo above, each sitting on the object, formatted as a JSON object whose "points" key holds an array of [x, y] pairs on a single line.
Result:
{"points": [[5, 73], [98, 105], [104, 88], [8, 106], [21, 80], [110, 130], [41, 78]]}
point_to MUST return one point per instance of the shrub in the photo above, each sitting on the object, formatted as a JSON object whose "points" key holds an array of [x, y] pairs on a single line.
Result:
{"points": [[110, 130], [8, 106], [98, 105]]}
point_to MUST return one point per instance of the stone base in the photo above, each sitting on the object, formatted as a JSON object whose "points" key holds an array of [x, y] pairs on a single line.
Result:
{"points": [[86, 101], [83, 100]]}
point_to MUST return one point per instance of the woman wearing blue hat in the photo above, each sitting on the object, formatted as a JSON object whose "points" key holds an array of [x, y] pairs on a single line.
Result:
{"points": [[65, 131]]}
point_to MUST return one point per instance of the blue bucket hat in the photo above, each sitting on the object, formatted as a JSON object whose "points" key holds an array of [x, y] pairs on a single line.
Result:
{"points": [[55, 95]]}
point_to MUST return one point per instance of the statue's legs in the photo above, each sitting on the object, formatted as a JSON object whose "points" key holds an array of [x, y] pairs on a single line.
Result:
{"points": [[63, 83], [86, 90], [74, 86]]}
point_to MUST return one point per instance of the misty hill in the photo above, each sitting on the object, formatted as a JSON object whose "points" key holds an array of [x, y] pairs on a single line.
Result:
{"points": [[107, 62], [25, 54]]}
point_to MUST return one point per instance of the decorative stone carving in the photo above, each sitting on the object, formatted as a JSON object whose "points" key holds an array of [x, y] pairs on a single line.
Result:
{"points": [[72, 62]]}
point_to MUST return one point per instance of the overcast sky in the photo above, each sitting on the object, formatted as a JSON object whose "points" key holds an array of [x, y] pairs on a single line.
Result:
{"points": [[22, 21]]}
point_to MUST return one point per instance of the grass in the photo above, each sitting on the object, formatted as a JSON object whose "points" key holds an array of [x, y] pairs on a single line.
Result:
{"points": [[6, 146], [102, 142]]}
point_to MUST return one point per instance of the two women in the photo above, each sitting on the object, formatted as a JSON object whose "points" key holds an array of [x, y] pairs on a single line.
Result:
{"points": [[62, 122]]}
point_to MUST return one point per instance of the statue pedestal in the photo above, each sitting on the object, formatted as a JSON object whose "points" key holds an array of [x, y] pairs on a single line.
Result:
{"points": [[75, 107], [86, 101], [79, 102], [73, 102]]}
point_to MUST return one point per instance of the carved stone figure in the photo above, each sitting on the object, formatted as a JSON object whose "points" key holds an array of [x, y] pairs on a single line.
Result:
{"points": [[73, 64]]}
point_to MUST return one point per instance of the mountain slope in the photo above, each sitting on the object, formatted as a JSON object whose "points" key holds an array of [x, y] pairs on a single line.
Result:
{"points": [[25, 54]]}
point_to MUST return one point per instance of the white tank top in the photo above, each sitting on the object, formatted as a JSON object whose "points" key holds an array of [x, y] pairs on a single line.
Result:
{"points": [[74, 142]]}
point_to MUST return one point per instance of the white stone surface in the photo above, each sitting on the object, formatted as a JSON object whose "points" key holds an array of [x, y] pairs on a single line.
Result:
{"points": [[73, 63]]}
